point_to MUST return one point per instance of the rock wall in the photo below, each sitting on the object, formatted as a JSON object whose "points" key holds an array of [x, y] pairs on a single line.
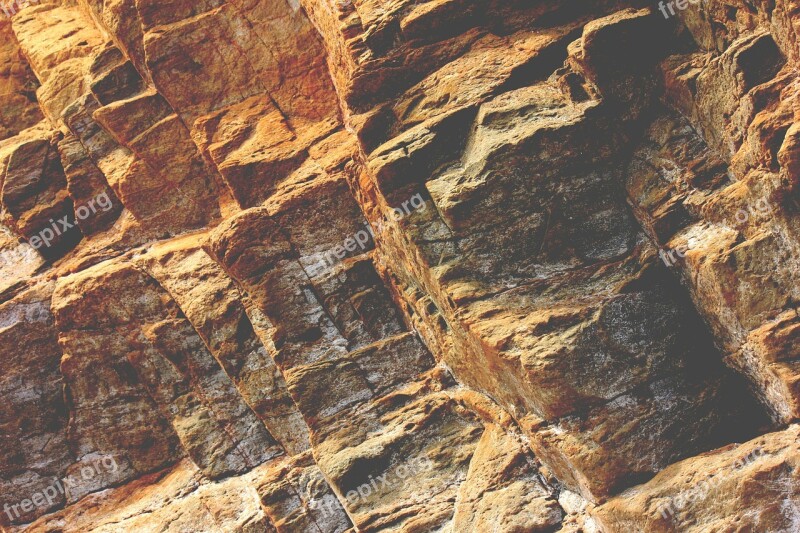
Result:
{"points": [[418, 266]]}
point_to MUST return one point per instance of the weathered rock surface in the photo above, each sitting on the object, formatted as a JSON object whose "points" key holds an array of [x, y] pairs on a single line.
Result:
{"points": [[418, 266], [718, 491]]}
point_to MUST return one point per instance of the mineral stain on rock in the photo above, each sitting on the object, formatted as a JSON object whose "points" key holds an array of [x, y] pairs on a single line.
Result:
{"points": [[364, 266]]}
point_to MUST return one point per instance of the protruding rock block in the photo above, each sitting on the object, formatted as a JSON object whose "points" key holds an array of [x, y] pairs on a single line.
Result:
{"points": [[747, 486], [418, 265]]}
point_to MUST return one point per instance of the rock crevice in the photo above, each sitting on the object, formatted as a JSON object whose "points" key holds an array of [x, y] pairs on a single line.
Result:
{"points": [[441, 265]]}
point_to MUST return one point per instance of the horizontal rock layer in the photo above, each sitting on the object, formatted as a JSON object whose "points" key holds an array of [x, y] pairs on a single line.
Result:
{"points": [[441, 265]]}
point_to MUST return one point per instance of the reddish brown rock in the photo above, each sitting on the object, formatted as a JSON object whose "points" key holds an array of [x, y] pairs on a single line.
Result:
{"points": [[430, 265], [752, 486], [20, 109]]}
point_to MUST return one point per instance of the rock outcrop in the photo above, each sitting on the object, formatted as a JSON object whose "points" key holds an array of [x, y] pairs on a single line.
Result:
{"points": [[418, 266]]}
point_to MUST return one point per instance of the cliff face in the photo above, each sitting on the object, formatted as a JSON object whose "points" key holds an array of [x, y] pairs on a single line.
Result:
{"points": [[361, 265]]}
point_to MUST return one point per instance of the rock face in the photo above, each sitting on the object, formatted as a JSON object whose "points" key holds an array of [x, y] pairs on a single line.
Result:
{"points": [[414, 266]]}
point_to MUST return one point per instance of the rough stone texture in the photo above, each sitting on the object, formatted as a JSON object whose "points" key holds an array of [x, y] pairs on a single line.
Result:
{"points": [[20, 108], [707, 493], [414, 266]]}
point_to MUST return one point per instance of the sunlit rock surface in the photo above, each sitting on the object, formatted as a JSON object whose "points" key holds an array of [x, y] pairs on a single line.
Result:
{"points": [[411, 265]]}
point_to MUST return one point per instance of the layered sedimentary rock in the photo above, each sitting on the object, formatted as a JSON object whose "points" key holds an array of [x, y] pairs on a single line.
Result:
{"points": [[322, 265]]}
